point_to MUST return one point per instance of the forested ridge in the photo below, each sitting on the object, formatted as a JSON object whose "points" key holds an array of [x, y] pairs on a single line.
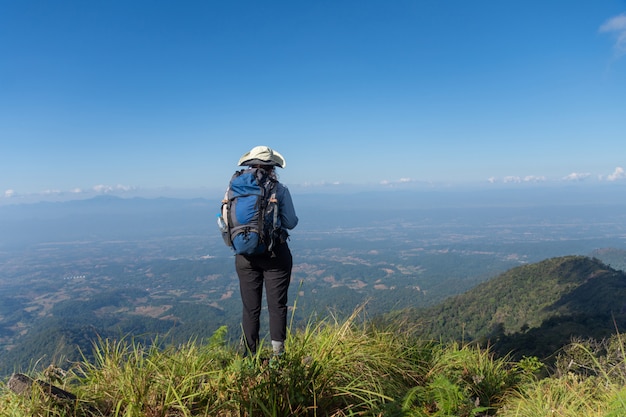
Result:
{"points": [[532, 309]]}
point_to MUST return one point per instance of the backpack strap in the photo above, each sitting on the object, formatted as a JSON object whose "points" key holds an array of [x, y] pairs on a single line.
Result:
{"points": [[274, 202]]}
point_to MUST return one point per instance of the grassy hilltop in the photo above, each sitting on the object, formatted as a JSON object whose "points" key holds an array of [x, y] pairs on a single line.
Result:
{"points": [[361, 367]]}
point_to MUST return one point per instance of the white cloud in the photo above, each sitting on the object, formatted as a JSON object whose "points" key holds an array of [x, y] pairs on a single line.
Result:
{"points": [[512, 179], [577, 176], [102, 188], [318, 184], [400, 181], [9, 193], [618, 174], [616, 26], [105, 189], [124, 188]]}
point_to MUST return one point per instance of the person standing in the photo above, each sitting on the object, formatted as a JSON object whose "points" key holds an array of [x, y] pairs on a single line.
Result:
{"points": [[271, 269]]}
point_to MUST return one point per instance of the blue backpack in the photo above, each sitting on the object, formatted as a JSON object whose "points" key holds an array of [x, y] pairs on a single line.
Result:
{"points": [[250, 212]]}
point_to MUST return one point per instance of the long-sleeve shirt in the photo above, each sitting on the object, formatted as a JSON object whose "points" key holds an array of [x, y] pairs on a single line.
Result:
{"points": [[288, 218]]}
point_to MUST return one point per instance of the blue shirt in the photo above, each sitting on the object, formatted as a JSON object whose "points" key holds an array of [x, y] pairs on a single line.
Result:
{"points": [[286, 210]]}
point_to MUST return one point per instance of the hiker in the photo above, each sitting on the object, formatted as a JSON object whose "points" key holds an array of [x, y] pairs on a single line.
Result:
{"points": [[273, 265]]}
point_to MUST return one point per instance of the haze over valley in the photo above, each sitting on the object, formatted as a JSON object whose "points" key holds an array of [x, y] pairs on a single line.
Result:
{"points": [[77, 270]]}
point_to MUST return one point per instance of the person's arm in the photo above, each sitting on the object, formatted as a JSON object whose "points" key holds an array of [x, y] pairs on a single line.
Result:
{"points": [[288, 217]]}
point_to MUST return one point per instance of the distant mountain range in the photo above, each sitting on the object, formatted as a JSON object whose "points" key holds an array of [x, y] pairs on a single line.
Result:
{"points": [[108, 217], [533, 309]]}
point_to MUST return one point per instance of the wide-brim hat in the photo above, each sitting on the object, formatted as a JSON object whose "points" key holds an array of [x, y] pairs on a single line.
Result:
{"points": [[262, 155]]}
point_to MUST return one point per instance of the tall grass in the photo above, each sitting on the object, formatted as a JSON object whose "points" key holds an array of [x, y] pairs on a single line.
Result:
{"points": [[351, 367], [588, 380], [331, 368], [568, 396], [462, 380]]}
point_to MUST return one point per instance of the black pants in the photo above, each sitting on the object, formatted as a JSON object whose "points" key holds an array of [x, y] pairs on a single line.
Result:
{"points": [[275, 272]]}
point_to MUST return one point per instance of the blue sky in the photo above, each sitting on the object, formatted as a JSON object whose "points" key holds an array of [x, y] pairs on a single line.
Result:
{"points": [[163, 97]]}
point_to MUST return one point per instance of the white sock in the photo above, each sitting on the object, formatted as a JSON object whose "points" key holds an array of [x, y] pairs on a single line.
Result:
{"points": [[278, 347]]}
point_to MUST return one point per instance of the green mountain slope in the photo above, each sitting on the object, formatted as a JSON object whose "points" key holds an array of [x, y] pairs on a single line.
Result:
{"points": [[532, 309]]}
